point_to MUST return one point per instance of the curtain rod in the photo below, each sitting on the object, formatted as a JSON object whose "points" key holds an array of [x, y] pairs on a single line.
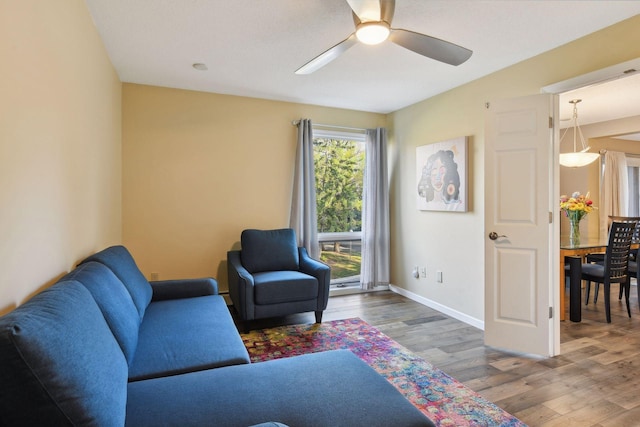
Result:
{"points": [[604, 151], [297, 122]]}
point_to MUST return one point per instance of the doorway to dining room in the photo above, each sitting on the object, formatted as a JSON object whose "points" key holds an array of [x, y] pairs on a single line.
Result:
{"points": [[609, 119], [521, 263]]}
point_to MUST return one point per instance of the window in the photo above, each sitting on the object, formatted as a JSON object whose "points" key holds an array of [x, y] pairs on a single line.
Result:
{"points": [[633, 173], [339, 160]]}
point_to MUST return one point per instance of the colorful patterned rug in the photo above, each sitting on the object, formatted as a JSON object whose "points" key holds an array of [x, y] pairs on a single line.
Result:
{"points": [[443, 399]]}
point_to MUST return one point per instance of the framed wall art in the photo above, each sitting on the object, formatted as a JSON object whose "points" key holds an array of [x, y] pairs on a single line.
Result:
{"points": [[442, 176]]}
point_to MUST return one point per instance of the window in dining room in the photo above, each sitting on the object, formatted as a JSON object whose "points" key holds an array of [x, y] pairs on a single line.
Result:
{"points": [[633, 179]]}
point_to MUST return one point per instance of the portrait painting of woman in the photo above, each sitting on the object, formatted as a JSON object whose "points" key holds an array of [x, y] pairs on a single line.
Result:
{"points": [[441, 173]]}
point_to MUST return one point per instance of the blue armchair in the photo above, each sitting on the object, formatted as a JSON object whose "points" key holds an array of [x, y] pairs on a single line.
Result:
{"points": [[271, 276]]}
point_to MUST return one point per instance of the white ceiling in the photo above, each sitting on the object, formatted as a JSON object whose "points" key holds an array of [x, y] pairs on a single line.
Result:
{"points": [[611, 100], [253, 47]]}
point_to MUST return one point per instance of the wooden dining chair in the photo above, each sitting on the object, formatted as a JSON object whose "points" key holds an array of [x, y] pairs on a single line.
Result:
{"points": [[599, 257], [633, 272], [615, 268]]}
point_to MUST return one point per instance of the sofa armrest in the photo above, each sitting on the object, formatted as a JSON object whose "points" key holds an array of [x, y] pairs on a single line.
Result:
{"points": [[319, 270], [240, 286], [183, 288]]}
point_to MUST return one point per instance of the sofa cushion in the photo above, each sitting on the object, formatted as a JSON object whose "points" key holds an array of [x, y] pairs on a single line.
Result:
{"points": [[269, 250], [333, 388], [59, 362], [274, 287], [120, 261], [114, 301], [186, 335]]}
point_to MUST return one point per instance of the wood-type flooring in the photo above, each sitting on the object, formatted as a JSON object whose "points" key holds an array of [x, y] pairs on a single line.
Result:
{"points": [[594, 382]]}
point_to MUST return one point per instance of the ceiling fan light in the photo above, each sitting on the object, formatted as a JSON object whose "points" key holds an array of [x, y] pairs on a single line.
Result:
{"points": [[373, 32], [578, 160]]}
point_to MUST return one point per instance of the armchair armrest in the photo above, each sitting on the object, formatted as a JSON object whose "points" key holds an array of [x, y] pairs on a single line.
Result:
{"points": [[319, 270], [183, 288], [240, 286]]}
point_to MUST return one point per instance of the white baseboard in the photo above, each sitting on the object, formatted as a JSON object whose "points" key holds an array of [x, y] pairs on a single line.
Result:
{"points": [[441, 308], [349, 290]]}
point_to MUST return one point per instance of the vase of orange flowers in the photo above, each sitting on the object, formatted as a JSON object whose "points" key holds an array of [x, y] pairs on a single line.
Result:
{"points": [[575, 208]]}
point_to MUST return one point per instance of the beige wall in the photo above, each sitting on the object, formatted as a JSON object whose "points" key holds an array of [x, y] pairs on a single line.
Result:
{"points": [[60, 153], [454, 242], [199, 168]]}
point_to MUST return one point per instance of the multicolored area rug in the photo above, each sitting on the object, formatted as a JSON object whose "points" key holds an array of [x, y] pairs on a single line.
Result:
{"points": [[443, 399]]}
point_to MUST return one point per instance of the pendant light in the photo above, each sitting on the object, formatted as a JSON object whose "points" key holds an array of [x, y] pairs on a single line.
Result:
{"points": [[576, 158]]}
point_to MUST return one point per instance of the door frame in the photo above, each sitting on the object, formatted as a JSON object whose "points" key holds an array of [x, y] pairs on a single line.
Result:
{"points": [[603, 75]]}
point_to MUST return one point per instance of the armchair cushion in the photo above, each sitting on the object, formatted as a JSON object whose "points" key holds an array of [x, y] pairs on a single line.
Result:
{"points": [[269, 250], [274, 287]]}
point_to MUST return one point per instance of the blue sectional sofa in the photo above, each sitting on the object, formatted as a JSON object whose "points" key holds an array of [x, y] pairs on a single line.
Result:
{"points": [[104, 347]]}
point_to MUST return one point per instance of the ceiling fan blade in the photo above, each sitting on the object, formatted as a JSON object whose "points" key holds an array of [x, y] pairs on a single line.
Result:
{"points": [[366, 10], [387, 8], [430, 47], [327, 56]]}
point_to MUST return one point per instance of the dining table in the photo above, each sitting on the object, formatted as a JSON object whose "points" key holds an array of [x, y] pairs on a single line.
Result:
{"points": [[574, 253]]}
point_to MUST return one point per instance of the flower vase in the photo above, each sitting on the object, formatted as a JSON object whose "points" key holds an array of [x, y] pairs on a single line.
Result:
{"points": [[574, 231]]}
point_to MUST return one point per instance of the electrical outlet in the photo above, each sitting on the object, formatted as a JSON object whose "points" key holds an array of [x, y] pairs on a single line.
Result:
{"points": [[439, 276], [155, 276], [423, 272]]}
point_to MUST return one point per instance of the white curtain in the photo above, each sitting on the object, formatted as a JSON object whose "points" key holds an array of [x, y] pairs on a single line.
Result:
{"points": [[375, 212], [304, 214], [614, 189]]}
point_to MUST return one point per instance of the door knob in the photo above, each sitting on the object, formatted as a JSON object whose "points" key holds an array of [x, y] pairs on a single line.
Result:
{"points": [[493, 235]]}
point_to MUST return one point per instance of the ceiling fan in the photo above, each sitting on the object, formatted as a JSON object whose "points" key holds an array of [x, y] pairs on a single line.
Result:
{"points": [[373, 25]]}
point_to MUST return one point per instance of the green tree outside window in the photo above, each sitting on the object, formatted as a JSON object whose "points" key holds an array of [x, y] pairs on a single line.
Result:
{"points": [[339, 166], [339, 170]]}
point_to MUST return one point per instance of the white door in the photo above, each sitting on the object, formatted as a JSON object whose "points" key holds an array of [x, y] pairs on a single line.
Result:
{"points": [[518, 175]]}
